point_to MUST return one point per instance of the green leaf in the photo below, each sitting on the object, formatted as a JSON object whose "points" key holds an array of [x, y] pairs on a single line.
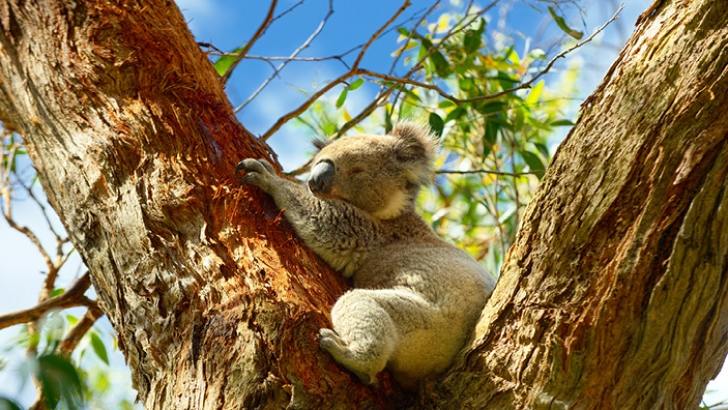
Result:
{"points": [[356, 84], [328, 127], [534, 162], [445, 104], [59, 380], [466, 83], [342, 98], [562, 123], [388, 126], [442, 67], [506, 80], [542, 148], [490, 137], [455, 114], [563, 26], [436, 123], [56, 292], [472, 41], [223, 64], [99, 348], [491, 107], [535, 93]]}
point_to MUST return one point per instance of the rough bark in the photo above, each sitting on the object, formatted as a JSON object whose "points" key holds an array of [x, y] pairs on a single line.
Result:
{"points": [[612, 297], [215, 302], [614, 293]]}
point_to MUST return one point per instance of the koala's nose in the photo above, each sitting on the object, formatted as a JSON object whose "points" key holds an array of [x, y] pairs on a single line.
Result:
{"points": [[322, 176]]}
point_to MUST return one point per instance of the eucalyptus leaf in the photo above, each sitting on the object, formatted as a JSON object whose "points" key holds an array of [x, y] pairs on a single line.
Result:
{"points": [[562, 123], [60, 381], [561, 22], [342, 97], [98, 345], [356, 84], [436, 123], [223, 64], [534, 162]]}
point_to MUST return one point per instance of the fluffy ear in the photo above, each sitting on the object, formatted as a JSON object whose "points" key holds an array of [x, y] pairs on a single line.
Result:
{"points": [[320, 143], [416, 142], [415, 147]]}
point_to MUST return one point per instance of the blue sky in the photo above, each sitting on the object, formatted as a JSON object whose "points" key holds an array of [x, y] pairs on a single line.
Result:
{"points": [[228, 24]]}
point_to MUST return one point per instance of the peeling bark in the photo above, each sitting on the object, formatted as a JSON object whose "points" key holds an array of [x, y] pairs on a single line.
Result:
{"points": [[614, 293], [613, 296], [215, 301]]}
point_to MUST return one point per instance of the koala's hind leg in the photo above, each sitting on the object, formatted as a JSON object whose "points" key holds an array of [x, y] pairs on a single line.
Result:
{"points": [[368, 326], [364, 335]]}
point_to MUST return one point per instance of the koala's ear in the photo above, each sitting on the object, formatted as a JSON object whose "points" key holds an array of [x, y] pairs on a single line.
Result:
{"points": [[415, 142], [320, 143]]}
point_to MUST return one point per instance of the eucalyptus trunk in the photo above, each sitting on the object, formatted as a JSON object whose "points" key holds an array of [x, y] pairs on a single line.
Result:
{"points": [[613, 295]]}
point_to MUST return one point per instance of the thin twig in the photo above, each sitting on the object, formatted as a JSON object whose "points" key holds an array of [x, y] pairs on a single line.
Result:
{"points": [[27, 232], [288, 10], [44, 210], [384, 94], [411, 34], [69, 343], [74, 296], [353, 71], [484, 171], [457, 27], [258, 33], [546, 69], [294, 54], [379, 31]]}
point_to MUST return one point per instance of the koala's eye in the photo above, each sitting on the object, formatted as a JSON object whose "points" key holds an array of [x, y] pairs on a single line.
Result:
{"points": [[356, 170]]}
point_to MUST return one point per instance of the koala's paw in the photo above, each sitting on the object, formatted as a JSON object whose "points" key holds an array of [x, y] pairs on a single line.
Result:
{"points": [[258, 172], [332, 343]]}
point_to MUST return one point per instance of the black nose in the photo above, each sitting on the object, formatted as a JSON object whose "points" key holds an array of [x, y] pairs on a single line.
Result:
{"points": [[322, 175]]}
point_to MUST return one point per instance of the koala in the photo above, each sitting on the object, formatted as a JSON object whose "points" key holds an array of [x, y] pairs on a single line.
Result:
{"points": [[416, 298]]}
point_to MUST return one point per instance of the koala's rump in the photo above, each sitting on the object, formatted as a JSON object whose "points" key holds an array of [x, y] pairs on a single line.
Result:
{"points": [[424, 352], [453, 285], [444, 275]]}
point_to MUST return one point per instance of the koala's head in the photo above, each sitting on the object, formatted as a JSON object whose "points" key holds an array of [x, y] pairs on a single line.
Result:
{"points": [[379, 174]]}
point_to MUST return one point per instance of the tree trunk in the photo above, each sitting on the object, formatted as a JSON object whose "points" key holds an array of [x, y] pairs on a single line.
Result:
{"points": [[215, 302], [612, 297], [614, 293]]}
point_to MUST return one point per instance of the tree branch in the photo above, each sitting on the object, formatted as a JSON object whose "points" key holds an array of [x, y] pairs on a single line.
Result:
{"points": [[258, 33], [484, 171], [71, 298], [294, 54], [74, 336], [543, 71], [353, 71]]}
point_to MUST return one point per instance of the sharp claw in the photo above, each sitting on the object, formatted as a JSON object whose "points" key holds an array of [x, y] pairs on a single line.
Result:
{"points": [[240, 167]]}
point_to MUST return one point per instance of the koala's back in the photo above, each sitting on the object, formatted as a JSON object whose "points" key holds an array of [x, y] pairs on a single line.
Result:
{"points": [[453, 287]]}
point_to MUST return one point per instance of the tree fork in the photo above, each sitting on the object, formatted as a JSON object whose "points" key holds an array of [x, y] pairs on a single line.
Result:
{"points": [[613, 295]]}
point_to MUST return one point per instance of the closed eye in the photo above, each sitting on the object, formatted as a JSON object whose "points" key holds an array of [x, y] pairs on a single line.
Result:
{"points": [[356, 170]]}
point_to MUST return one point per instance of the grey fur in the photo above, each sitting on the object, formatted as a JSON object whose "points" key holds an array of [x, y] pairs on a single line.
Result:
{"points": [[416, 297]]}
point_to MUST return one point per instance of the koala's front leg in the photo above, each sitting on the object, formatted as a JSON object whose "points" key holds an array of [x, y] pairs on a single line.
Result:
{"points": [[258, 172], [334, 229]]}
